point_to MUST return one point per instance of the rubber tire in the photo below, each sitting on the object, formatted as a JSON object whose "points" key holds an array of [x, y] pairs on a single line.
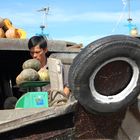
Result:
{"points": [[92, 57]]}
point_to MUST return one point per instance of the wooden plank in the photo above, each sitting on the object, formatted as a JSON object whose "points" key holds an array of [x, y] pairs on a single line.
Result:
{"points": [[63, 46], [131, 126], [121, 135], [53, 45], [12, 119], [13, 44]]}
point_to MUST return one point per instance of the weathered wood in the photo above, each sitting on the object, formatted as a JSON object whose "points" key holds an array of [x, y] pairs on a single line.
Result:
{"points": [[53, 45], [13, 44], [12, 119], [135, 108], [131, 127], [60, 128], [63, 46], [66, 134]]}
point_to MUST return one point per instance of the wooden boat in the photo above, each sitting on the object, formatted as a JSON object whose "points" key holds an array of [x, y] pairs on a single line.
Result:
{"points": [[76, 119]]}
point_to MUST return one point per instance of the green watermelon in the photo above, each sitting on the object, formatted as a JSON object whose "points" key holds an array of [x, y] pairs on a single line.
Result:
{"points": [[27, 75], [32, 63]]}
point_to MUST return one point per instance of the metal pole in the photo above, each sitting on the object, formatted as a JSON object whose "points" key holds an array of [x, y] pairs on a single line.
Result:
{"points": [[129, 18]]}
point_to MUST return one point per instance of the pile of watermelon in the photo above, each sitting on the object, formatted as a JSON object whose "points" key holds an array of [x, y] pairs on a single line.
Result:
{"points": [[32, 71]]}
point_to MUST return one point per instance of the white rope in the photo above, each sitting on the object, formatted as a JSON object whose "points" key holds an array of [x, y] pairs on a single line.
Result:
{"points": [[121, 16]]}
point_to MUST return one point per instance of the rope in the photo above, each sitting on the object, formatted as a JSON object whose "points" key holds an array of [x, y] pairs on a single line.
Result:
{"points": [[57, 98], [121, 16]]}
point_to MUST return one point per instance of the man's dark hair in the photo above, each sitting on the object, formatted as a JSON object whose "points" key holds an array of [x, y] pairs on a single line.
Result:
{"points": [[37, 40]]}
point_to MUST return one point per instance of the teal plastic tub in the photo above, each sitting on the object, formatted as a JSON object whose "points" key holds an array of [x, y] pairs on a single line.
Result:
{"points": [[33, 100]]}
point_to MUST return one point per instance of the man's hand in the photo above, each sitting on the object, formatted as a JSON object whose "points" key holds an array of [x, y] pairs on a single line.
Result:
{"points": [[66, 91]]}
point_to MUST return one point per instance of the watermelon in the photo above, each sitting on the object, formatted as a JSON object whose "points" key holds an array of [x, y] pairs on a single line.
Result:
{"points": [[44, 75], [32, 63], [27, 75]]}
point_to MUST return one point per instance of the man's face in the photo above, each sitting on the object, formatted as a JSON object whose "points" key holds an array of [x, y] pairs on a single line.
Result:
{"points": [[38, 53]]}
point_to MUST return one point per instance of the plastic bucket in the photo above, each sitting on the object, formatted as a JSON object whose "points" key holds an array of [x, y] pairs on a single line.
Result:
{"points": [[33, 100]]}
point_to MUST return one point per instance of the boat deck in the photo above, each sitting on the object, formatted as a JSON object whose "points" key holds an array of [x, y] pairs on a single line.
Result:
{"points": [[16, 118]]}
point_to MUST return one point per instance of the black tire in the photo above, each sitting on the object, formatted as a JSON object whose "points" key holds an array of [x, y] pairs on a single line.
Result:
{"points": [[90, 67]]}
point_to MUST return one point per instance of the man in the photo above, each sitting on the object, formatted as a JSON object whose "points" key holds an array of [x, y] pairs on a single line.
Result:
{"points": [[38, 50]]}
